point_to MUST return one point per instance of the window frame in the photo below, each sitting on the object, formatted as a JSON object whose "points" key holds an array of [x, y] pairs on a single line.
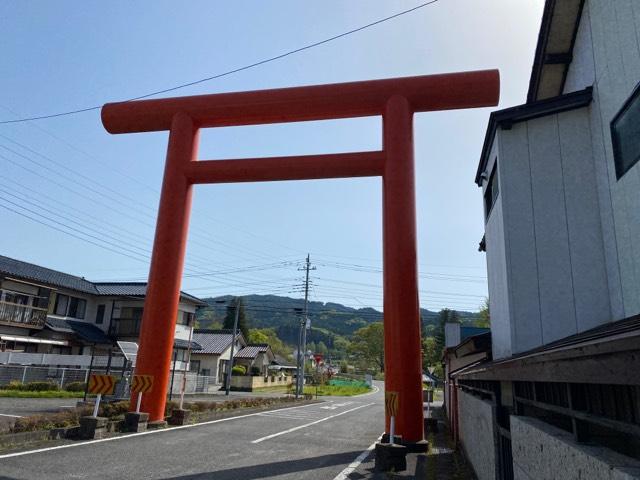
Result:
{"points": [[100, 311], [488, 193], [620, 169]]}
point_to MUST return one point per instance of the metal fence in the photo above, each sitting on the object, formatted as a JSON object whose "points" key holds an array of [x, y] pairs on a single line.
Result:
{"points": [[64, 376]]}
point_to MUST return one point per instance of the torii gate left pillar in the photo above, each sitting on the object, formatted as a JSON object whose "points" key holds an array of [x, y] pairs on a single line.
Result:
{"points": [[395, 100]]}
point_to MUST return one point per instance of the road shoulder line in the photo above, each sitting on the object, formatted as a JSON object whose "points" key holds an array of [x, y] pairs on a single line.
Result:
{"points": [[344, 474], [284, 432], [148, 432]]}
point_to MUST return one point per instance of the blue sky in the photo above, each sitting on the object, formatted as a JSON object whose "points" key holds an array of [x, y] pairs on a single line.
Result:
{"points": [[70, 174]]}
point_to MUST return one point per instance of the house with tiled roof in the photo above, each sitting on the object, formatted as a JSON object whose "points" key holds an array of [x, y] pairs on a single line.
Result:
{"points": [[255, 357], [212, 359], [52, 312]]}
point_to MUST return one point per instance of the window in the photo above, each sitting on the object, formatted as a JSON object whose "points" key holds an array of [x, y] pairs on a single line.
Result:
{"points": [[194, 366], [134, 313], [77, 306], [491, 192], [625, 134], [62, 302], [185, 318], [67, 306], [100, 314]]}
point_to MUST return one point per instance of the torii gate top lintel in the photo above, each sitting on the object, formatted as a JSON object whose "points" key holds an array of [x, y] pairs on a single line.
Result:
{"points": [[318, 102], [396, 100]]}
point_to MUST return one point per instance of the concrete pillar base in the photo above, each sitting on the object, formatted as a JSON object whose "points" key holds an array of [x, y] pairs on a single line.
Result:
{"points": [[421, 466], [156, 425], [136, 422], [179, 417], [421, 446], [397, 439], [93, 428], [391, 457]]}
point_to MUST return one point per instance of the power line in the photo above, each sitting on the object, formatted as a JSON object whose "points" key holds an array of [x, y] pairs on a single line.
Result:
{"points": [[235, 70]]}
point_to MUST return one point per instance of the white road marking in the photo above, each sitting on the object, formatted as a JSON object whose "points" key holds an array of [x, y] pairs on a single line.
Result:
{"points": [[284, 432], [7, 415], [148, 432], [375, 390], [344, 474]]}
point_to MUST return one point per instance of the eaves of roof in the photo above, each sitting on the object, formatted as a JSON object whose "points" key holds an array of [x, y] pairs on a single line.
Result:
{"points": [[507, 117], [554, 49]]}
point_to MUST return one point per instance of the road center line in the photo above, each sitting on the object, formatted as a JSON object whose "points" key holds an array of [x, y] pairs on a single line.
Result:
{"points": [[148, 432], [284, 432], [12, 416], [344, 474]]}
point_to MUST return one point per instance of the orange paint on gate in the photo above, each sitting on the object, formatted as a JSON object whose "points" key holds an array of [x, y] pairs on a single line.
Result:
{"points": [[396, 100]]}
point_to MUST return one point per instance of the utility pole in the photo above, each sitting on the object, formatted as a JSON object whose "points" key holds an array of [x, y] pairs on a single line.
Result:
{"points": [[233, 344], [306, 322]]}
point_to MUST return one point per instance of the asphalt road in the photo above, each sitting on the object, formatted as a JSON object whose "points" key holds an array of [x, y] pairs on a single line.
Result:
{"points": [[309, 442], [13, 408]]}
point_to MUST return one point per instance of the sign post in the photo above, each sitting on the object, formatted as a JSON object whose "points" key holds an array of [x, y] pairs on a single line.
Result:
{"points": [[95, 427], [101, 385], [137, 421], [141, 384], [391, 402]]}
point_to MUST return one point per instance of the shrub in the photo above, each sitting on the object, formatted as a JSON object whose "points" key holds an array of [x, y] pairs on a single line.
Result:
{"points": [[67, 418], [238, 370], [13, 385], [255, 371], [40, 386], [75, 387], [114, 409]]}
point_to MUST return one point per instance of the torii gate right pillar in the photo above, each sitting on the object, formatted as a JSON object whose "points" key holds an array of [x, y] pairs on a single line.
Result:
{"points": [[403, 363]]}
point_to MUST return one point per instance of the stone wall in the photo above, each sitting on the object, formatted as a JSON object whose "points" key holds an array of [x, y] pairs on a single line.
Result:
{"points": [[544, 452], [477, 434]]}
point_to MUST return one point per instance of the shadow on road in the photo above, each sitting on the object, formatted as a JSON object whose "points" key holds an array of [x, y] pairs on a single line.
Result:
{"points": [[267, 470]]}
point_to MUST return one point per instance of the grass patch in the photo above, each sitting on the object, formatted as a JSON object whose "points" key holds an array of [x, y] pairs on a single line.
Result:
{"points": [[336, 390], [41, 394]]}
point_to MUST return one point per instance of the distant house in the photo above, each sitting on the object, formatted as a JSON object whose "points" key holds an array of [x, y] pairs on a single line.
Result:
{"points": [[46, 311], [256, 357], [212, 359]]}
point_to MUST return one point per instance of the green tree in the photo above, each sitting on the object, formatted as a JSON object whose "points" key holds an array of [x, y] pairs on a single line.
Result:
{"points": [[321, 348], [257, 336], [368, 345], [431, 356], [340, 347], [269, 336], [229, 319], [311, 347], [483, 319]]}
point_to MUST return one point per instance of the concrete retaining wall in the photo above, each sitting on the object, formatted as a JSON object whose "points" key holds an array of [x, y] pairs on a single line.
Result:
{"points": [[477, 434], [544, 452]]}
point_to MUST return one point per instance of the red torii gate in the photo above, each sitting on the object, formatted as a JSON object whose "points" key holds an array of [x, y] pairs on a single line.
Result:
{"points": [[396, 100]]}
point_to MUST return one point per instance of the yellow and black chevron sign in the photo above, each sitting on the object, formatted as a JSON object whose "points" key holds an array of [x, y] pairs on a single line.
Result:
{"points": [[103, 384], [391, 401], [142, 383]]}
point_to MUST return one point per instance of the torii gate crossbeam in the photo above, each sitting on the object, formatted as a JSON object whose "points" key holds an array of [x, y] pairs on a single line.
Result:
{"points": [[396, 100]]}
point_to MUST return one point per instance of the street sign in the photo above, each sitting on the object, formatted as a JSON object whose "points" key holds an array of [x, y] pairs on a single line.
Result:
{"points": [[102, 384], [391, 402], [142, 383]]}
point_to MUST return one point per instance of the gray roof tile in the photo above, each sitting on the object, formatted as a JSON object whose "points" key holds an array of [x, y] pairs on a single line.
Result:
{"points": [[214, 341], [29, 271]]}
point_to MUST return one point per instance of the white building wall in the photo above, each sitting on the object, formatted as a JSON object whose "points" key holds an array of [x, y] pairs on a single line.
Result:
{"points": [[552, 250], [543, 452], [607, 55], [477, 433]]}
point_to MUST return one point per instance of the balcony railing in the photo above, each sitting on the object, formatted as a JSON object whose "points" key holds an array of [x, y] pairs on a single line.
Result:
{"points": [[22, 315]]}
